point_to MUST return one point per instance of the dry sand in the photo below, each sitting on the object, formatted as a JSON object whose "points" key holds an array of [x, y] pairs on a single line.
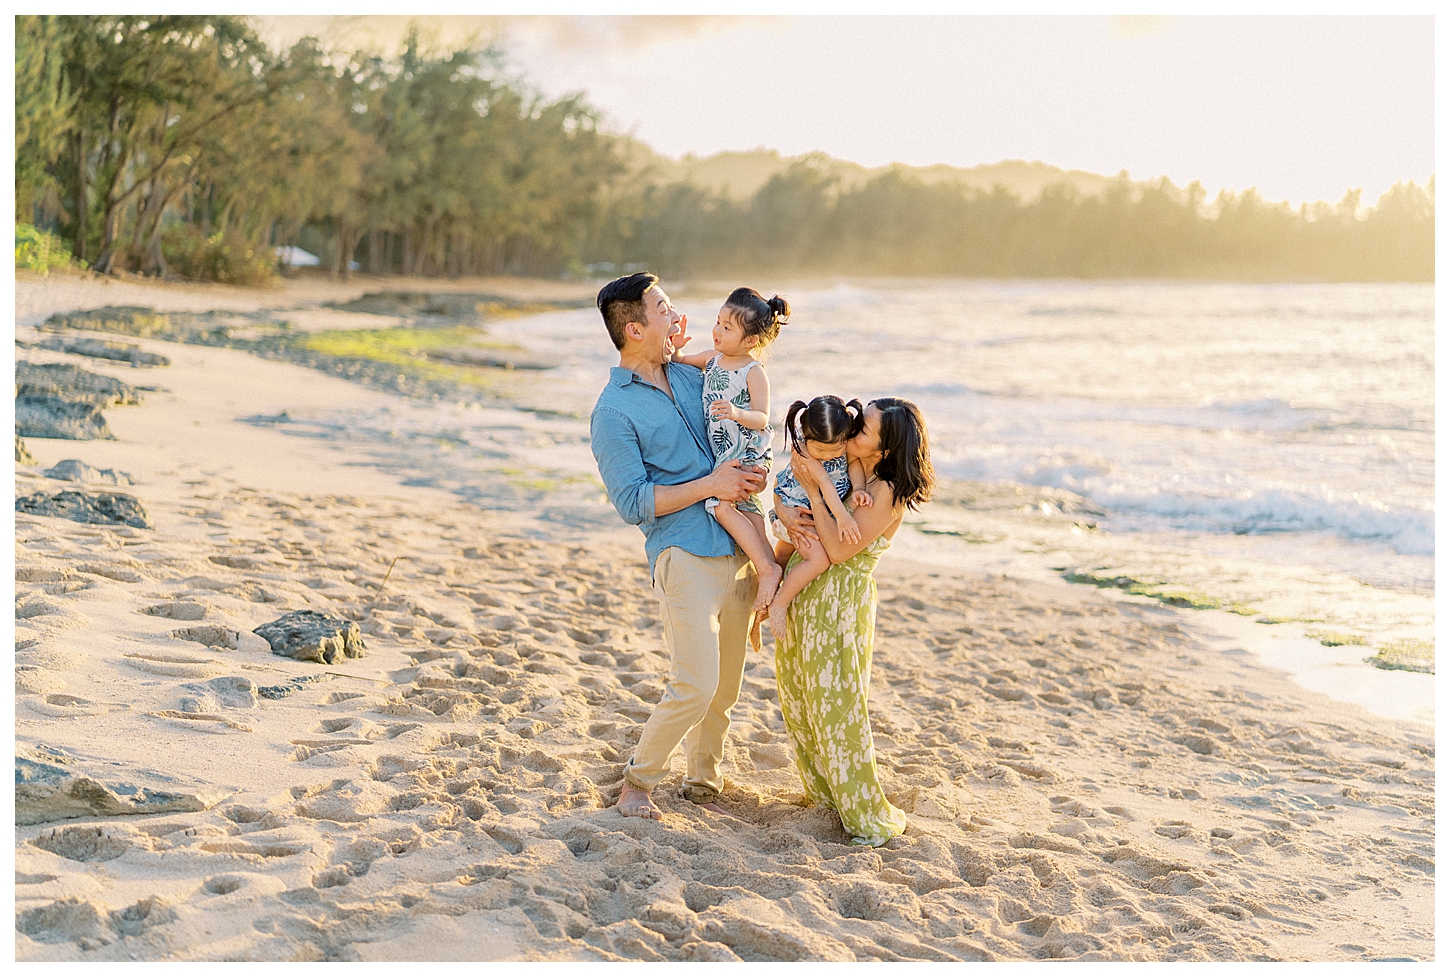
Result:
{"points": [[1086, 777]]}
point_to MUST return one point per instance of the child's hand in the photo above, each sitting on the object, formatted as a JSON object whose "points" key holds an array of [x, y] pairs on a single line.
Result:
{"points": [[850, 532], [722, 410], [862, 499], [809, 472]]}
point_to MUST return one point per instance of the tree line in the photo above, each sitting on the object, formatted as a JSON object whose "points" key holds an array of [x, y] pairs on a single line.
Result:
{"points": [[802, 220], [183, 145]]}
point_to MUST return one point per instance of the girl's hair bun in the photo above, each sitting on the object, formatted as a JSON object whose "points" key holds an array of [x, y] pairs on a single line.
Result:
{"points": [[758, 316]]}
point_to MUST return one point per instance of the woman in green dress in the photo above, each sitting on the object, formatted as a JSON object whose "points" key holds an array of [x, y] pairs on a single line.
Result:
{"points": [[823, 665]]}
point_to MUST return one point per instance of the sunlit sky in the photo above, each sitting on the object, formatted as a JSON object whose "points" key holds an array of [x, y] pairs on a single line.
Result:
{"points": [[1303, 108]]}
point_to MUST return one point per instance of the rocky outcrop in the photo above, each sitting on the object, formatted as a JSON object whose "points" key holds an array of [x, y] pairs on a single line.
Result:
{"points": [[497, 357], [55, 792], [74, 470], [105, 508], [310, 636], [130, 320], [49, 416], [22, 454], [72, 383], [106, 350]]}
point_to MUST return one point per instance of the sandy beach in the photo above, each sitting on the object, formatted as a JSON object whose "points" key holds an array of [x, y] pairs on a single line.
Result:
{"points": [[1088, 775]]}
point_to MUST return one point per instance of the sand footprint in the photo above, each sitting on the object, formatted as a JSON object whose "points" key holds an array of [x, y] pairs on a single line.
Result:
{"points": [[177, 610], [215, 636], [207, 722], [175, 664], [59, 705]]}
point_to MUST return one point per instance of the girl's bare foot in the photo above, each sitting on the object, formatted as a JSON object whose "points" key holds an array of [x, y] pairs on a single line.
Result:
{"points": [[777, 621], [756, 620], [767, 583]]}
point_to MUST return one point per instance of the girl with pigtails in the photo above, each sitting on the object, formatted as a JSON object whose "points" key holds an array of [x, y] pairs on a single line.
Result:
{"points": [[818, 430]]}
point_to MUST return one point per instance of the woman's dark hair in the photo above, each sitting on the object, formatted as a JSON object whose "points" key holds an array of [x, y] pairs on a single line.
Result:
{"points": [[827, 419], [905, 458], [622, 302], [758, 315]]}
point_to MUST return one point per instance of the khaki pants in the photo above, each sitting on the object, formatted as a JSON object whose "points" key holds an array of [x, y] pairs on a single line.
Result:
{"points": [[705, 603]]}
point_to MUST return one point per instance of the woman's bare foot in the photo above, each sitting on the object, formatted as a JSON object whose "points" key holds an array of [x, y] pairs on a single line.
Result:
{"points": [[767, 583], [777, 620], [635, 803]]}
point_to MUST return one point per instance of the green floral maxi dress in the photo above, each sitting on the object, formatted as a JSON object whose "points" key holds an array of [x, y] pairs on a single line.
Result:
{"points": [[823, 672]]}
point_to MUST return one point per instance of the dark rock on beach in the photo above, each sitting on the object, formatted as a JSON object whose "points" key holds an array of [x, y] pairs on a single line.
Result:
{"points": [[129, 320], [74, 470], [49, 416], [72, 383], [105, 350], [499, 359], [22, 454], [466, 307], [52, 792], [296, 684], [105, 508], [311, 636]]}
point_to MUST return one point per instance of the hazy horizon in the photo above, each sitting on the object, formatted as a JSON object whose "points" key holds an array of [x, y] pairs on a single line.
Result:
{"points": [[1303, 109]]}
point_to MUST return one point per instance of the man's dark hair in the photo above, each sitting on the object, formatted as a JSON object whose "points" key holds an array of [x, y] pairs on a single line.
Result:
{"points": [[622, 301]]}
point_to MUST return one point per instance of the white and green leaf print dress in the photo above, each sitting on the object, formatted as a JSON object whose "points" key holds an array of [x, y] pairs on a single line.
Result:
{"points": [[730, 440], [823, 676]]}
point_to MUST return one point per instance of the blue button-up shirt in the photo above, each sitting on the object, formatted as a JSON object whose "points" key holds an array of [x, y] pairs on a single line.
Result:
{"points": [[641, 438]]}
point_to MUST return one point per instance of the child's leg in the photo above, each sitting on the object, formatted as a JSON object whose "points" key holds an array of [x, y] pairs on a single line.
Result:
{"points": [[748, 530], [783, 550], [814, 562]]}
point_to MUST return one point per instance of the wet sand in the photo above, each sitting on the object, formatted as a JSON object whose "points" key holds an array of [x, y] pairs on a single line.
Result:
{"points": [[1087, 776]]}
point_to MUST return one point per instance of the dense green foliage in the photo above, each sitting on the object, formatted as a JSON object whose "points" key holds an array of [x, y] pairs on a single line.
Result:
{"points": [[40, 251], [182, 141], [182, 145]]}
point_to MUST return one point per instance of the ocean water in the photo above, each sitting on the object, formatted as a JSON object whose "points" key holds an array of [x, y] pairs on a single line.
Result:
{"points": [[1201, 408], [1271, 446]]}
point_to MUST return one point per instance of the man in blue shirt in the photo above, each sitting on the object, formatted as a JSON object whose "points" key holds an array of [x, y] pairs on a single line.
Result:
{"points": [[649, 436]]}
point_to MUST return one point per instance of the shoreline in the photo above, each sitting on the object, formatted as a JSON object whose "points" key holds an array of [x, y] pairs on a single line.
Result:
{"points": [[1341, 675], [1290, 647], [1086, 776]]}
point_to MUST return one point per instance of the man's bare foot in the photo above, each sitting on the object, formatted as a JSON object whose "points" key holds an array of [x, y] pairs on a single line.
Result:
{"points": [[635, 803], [716, 809], [777, 620], [767, 583], [756, 620]]}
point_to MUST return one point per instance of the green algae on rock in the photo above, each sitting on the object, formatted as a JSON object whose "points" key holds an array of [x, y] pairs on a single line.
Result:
{"points": [[1160, 590], [1336, 639], [1406, 655]]}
